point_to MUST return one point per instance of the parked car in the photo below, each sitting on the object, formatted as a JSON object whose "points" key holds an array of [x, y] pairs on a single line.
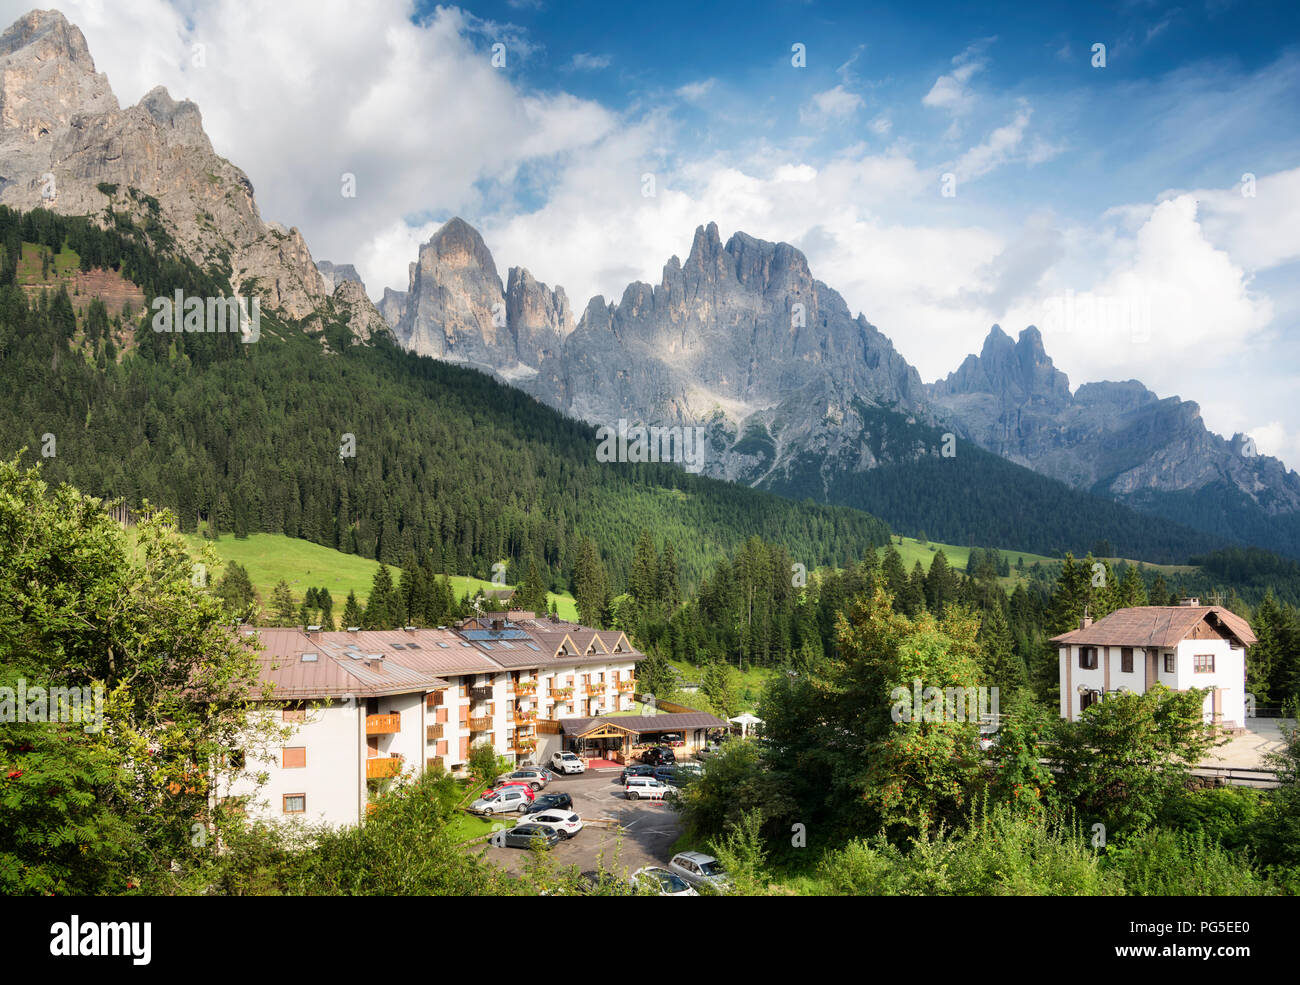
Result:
{"points": [[637, 769], [658, 756], [521, 784], [677, 776], [534, 777], [567, 823], [988, 734], [645, 787], [568, 762], [527, 835], [700, 870], [550, 802], [664, 883], [513, 798]]}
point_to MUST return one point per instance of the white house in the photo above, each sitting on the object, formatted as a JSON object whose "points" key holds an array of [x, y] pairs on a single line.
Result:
{"points": [[1181, 646]]}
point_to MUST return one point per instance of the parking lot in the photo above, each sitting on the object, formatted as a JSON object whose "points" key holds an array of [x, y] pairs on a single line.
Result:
{"points": [[645, 828]]}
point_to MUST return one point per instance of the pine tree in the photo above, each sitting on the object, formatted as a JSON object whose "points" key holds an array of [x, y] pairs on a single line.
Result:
{"points": [[643, 583], [352, 614], [383, 607], [235, 589], [590, 585], [283, 609]]}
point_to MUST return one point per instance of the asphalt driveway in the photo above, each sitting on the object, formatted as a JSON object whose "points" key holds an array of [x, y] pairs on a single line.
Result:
{"points": [[626, 833]]}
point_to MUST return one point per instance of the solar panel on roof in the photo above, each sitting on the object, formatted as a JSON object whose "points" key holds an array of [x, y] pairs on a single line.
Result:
{"points": [[494, 634]]}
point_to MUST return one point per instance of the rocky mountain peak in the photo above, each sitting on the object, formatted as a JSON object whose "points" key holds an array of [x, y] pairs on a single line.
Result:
{"points": [[48, 35]]}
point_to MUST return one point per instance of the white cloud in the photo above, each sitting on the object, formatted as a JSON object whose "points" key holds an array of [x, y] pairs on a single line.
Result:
{"points": [[585, 62], [996, 149], [952, 92], [833, 104], [695, 91]]}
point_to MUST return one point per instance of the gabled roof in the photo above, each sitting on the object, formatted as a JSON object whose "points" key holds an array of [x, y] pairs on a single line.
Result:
{"points": [[667, 722], [1158, 625]]}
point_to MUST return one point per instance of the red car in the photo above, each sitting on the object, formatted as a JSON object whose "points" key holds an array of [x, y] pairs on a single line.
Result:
{"points": [[522, 784]]}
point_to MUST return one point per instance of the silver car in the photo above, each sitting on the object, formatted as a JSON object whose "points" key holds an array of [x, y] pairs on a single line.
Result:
{"points": [[534, 777], [700, 870], [502, 801]]}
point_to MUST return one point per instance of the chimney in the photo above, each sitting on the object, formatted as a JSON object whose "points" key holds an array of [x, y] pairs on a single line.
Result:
{"points": [[1086, 621], [409, 629], [1190, 601], [354, 629], [497, 624], [313, 632]]}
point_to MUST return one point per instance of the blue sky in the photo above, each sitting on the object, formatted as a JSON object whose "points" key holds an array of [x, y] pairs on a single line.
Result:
{"points": [[1122, 187]]}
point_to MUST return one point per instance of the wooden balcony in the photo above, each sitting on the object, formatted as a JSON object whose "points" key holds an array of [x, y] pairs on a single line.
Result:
{"points": [[434, 732], [524, 747], [522, 687], [592, 689], [524, 717], [626, 686], [483, 724], [480, 694], [383, 767], [383, 724]]}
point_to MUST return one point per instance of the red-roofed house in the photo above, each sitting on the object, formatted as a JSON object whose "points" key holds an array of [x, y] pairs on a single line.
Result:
{"points": [[1181, 646]]}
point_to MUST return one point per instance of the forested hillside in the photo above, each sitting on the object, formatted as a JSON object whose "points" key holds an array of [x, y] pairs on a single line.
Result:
{"points": [[242, 438]]}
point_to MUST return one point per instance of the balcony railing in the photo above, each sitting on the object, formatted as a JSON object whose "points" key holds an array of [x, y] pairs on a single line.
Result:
{"points": [[524, 717], [521, 747], [381, 768], [434, 732], [626, 685], [480, 694], [383, 724], [594, 689], [483, 724], [523, 687]]}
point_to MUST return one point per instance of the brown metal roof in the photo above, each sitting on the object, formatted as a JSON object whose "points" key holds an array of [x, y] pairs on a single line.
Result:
{"points": [[345, 661], [1158, 625], [331, 674]]}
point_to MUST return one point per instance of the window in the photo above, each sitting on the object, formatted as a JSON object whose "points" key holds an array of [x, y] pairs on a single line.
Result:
{"points": [[293, 757], [1169, 663], [1126, 659], [295, 803], [1203, 663], [1088, 657], [1088, 699]]}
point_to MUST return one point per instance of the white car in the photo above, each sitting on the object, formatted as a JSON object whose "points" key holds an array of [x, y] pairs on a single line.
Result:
{"points": [[566, 823], [567, 762], [647, 787], [700, 870], [663, 882]]}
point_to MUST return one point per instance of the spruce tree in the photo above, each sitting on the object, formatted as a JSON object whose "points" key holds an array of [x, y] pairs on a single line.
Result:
{"points": [[351, 612], [283, 609]]}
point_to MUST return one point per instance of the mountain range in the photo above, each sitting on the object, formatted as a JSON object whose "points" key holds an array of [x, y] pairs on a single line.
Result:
{"points": [[798, 394]]}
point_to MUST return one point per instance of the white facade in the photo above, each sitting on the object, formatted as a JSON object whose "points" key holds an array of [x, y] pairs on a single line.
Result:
{"points": [[1225, 703]]}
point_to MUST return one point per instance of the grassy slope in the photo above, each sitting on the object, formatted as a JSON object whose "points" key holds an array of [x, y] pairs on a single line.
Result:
{"points": [[270, 557], [913, 550]]}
